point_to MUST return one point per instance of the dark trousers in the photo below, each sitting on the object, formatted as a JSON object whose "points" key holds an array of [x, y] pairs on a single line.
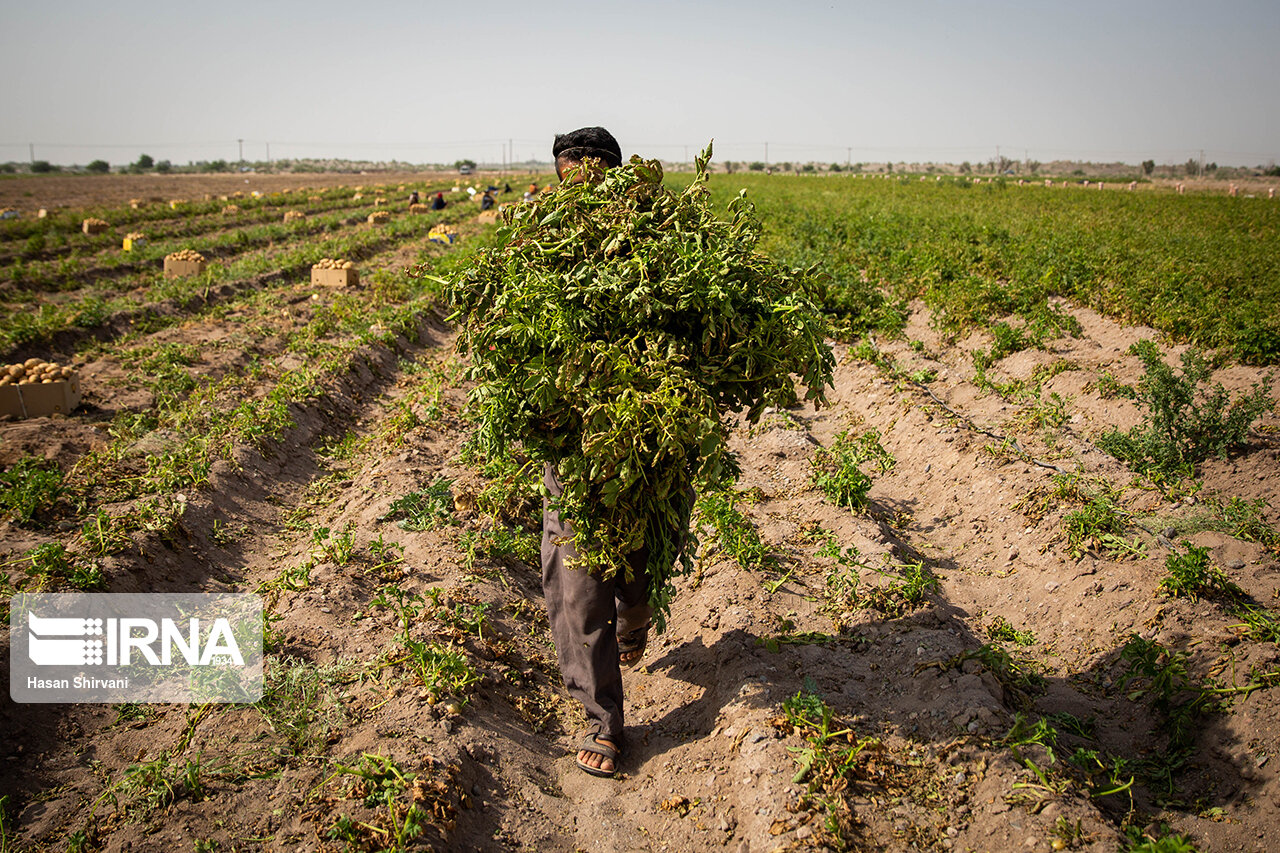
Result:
{"points": [[586, 616]]}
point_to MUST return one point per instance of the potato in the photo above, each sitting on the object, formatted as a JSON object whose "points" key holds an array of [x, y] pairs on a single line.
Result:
{"points": [[31, 362]]}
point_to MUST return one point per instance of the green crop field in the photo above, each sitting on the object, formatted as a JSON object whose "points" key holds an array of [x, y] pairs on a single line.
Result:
{"points": [[1015, 586], [1203, 269]]}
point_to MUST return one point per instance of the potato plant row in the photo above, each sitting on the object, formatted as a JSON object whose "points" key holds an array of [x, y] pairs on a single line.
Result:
{"points": [[1202, 269], [120, 493], [21, 257], [67, 222], [72, 272], [88, 310]]}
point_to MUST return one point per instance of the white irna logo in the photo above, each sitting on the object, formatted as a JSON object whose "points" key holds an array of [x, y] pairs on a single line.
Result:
{"points": [[76, 641]]}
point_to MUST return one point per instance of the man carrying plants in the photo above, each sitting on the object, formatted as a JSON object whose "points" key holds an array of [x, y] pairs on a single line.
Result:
{"points": [[611, 330]]}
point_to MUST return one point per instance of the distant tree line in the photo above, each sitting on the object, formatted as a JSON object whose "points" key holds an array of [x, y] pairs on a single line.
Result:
{"points": [[146, 164]]}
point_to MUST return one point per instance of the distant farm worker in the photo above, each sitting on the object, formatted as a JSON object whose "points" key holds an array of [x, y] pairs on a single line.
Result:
{"points": [[486, 200], [438, 202], [413, 198], [506, 187], [599, 626]]}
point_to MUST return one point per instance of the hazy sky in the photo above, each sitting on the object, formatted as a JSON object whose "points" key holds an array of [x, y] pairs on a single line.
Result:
{"points": [[435, 82]]}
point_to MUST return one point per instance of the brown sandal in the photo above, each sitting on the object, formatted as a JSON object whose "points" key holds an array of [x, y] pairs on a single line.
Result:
{"points": [[632, 643], [591, 744]]}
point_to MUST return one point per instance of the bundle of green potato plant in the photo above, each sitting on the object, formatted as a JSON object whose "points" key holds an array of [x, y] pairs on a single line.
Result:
{"points": [[611, 331]]}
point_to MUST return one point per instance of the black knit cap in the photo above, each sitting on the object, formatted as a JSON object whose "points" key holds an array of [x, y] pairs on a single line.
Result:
{"points": [[588, 142]]}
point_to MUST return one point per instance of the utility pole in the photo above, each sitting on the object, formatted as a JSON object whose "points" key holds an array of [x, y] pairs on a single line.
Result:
{"points": [[268, 155], [848, 156], [1201, 170], [31, 146], [241, 141], [766, 154]]}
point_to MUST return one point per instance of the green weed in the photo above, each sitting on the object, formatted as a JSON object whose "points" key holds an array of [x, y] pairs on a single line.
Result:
{"points": [[425, 510], [163, 370], [1110, 388], [384, 786], [148, 786], [903, 590], [337, 546], [837, 471], [30, 488], [1026, 733], [6, 837], [1006, 340], [1244, 520], [1100, 526], [831, 762], [1178, 700], [442, 670], [1021, 676], [999, 629], [302, 702], [736, 534], [1186, 421], [1197, 269], [292, 578], [51, 566], [404, 603], [1041, 414], [1105, 774], [1193, 574], [1137, 840]]}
